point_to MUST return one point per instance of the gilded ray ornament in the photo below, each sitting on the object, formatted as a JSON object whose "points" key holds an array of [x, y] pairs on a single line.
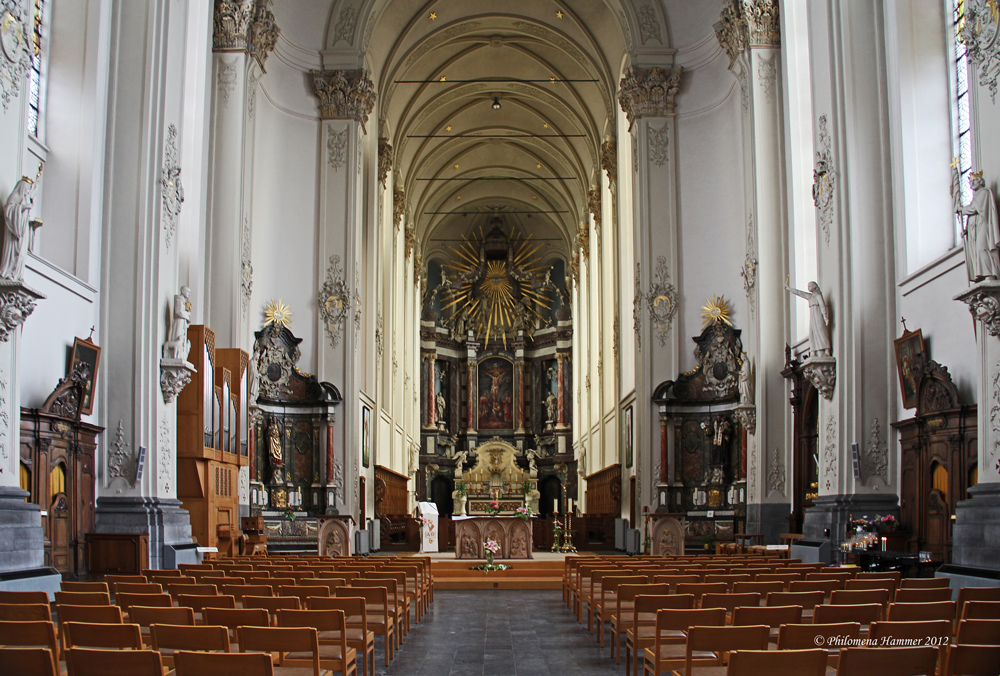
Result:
{"points": [[277, 312], [716, 310]]}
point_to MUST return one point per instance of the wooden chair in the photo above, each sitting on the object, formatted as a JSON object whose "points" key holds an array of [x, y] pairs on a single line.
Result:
{"points": [[919, 595], [29, 634], [913, 612], [879, 575], [624, 605], [976, 594], [862, 613], [359, 636], [91, 662], [222, 664], [28, 612], [28, 662], [772, 616], [670, 636], [978, 632], [703, 641], [25, 597], [137, 588], [807, 585], [199, 603], [414, 585], [729, 578], [865, 661], [395, 600], [887, 583], [234, 618], [91, 614], [112, 579], [730, 601], [169, 638], [640, 633], [200, 589], [241, 590], [981, 610], [162, 572], [272, 604], [972, 660], [699, 589], [934, 633], [832, 637], [808, 600], [593, 591], [769, 662], [302, 593], [147, 616], [380, 620], [68, 598], [334, 651], [299, 643], [762, 588], [126, 601], [925, 583], [608, 598], [83, 586], [674, 579], [853, 597], [106, 636]]}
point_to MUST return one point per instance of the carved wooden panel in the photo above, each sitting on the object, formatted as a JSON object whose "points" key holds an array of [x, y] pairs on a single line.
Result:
{"points": [[512, 533], [604, 491]]}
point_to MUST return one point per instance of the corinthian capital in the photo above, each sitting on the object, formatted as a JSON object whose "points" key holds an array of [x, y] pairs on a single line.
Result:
{"points": [[344, 93], [748, 23], [245, 26], [649, 92]]}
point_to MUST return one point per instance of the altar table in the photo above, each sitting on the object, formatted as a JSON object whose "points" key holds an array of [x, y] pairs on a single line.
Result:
{"points": [[512, 533]]}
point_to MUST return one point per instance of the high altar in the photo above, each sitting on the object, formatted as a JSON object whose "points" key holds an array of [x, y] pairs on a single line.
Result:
{"points": [[496, 475]]}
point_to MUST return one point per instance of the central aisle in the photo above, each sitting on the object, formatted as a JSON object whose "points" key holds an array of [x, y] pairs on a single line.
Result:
{"points": [[499, 633]]}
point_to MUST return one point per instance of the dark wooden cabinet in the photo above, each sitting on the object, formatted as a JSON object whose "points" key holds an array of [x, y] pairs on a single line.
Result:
{"points": [[117, 553], [938, 462], [57, 469]]}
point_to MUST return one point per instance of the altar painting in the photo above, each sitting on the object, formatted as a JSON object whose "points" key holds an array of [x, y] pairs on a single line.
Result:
{"points": [[495, 402]]}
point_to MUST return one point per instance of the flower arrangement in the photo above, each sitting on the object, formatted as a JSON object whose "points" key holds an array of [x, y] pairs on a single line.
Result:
{"points": [[493, 508], [876, 525], [461, 488], [426, 523], [492, 548], [524, 512], [557, 529]]}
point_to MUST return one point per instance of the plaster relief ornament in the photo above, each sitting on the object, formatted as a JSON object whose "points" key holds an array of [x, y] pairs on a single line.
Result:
{"points": [[119, 457], [824, 180], [170, 184], [981, 228], [661, 300], [17, 227], [15, 41], [980, 31], [334, 301]]}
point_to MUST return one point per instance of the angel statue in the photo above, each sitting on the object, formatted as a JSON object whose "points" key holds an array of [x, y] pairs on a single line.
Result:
{"points": [[819, 320], [981, 229]]}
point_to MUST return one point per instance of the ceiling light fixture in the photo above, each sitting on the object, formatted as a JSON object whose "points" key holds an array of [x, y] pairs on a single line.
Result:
{"points": [[496, 103]]}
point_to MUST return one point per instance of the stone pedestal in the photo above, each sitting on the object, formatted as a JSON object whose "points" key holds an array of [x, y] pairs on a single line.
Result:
{"points": [[164, 520]]}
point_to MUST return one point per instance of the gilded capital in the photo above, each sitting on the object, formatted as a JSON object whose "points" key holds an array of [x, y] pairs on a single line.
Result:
{"points": [[344, 94], [748, 23], [245, 26], [385, 158], [398, 206], [649, 92], [609, 160]]}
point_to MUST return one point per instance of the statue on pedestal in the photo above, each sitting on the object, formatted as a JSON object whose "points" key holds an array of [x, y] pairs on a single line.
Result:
{"points": [[819, 320], [16, 235], [981, 230], [178, 345], [441, 404], [551, 405], [746, 380]]}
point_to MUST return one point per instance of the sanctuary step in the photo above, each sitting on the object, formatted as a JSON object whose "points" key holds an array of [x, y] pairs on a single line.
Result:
{"points": [[523, 574]]}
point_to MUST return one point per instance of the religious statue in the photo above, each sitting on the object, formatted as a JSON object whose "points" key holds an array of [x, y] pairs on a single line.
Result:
{"points": [[819, 320], [254, 378], [441, 404], [746, 380], [981, 229], [460, 461], [551, 406], [532, 461], [178, 346], [274, 443], [721, 427], [17, 215], [414, 458]]}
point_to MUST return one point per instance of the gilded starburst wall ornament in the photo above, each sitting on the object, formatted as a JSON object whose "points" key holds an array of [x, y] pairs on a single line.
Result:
{"points": [[278, 313]]}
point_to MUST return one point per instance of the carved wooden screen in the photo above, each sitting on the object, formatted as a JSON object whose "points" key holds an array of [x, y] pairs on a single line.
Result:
{"points": [[604, 491]]}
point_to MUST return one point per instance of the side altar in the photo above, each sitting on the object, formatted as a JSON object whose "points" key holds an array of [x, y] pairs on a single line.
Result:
{"points": [[512, 533]]}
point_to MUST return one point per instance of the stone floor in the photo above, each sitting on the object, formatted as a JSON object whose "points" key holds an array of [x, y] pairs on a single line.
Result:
{"points": [[498, 633]]}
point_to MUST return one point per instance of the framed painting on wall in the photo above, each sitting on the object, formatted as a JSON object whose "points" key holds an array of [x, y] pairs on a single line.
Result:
{"points": [[366, 436], [495, 403], [85, 352], [629, 447], [910, 358]]}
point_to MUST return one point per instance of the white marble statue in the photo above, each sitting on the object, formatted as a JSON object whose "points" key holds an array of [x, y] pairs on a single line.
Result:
{"points": [[532, 462], [981, 230], [16, 233], [746, 380], [460, 461], [414, 458], [254, 377], [551, 404], [178, 346], [819, 320], [440, 402]]}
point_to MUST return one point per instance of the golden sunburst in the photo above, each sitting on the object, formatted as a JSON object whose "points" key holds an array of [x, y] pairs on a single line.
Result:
{"points": [[716, 310], [277, 313]]}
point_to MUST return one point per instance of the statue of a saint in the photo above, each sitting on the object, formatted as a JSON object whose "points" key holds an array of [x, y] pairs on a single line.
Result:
{"points": [[254, 378], [414, 458], [982, 229], [551, 404], [532, 461], [178, 346], [16, 235], [819, 320], [746, 380], [460, 461], [274, 443], [441, 404]]}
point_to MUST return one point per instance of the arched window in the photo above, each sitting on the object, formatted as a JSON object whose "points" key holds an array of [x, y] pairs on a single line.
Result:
{"points": [[962, 116], [36, 82]]}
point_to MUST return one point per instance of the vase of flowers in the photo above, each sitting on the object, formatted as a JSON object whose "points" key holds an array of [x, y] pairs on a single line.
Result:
{"points": [[524, 512], [493, 508], [491, 548]]}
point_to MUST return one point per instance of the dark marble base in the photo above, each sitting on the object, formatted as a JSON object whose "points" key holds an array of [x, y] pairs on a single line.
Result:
{"points": [[21, 536], [976, 534], [830, 515], [769, 518], [165, 521]]}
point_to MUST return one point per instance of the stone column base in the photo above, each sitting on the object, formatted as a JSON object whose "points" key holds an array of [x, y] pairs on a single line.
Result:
{"points": [[21, 537], [769, 518], [830, 515], [976, 536], [165, 521]]}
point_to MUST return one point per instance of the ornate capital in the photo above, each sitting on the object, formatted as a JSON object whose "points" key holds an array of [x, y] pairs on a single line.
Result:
{"points": [[385, 158], [594, 206], [398, 206], [981, 34], [175, 374], [731, 31], [983, 300], [649, 92], [609, 160], [822, 373], [245, 26], [17, 302], [747, 415], [748, 23], [344, 94]]}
